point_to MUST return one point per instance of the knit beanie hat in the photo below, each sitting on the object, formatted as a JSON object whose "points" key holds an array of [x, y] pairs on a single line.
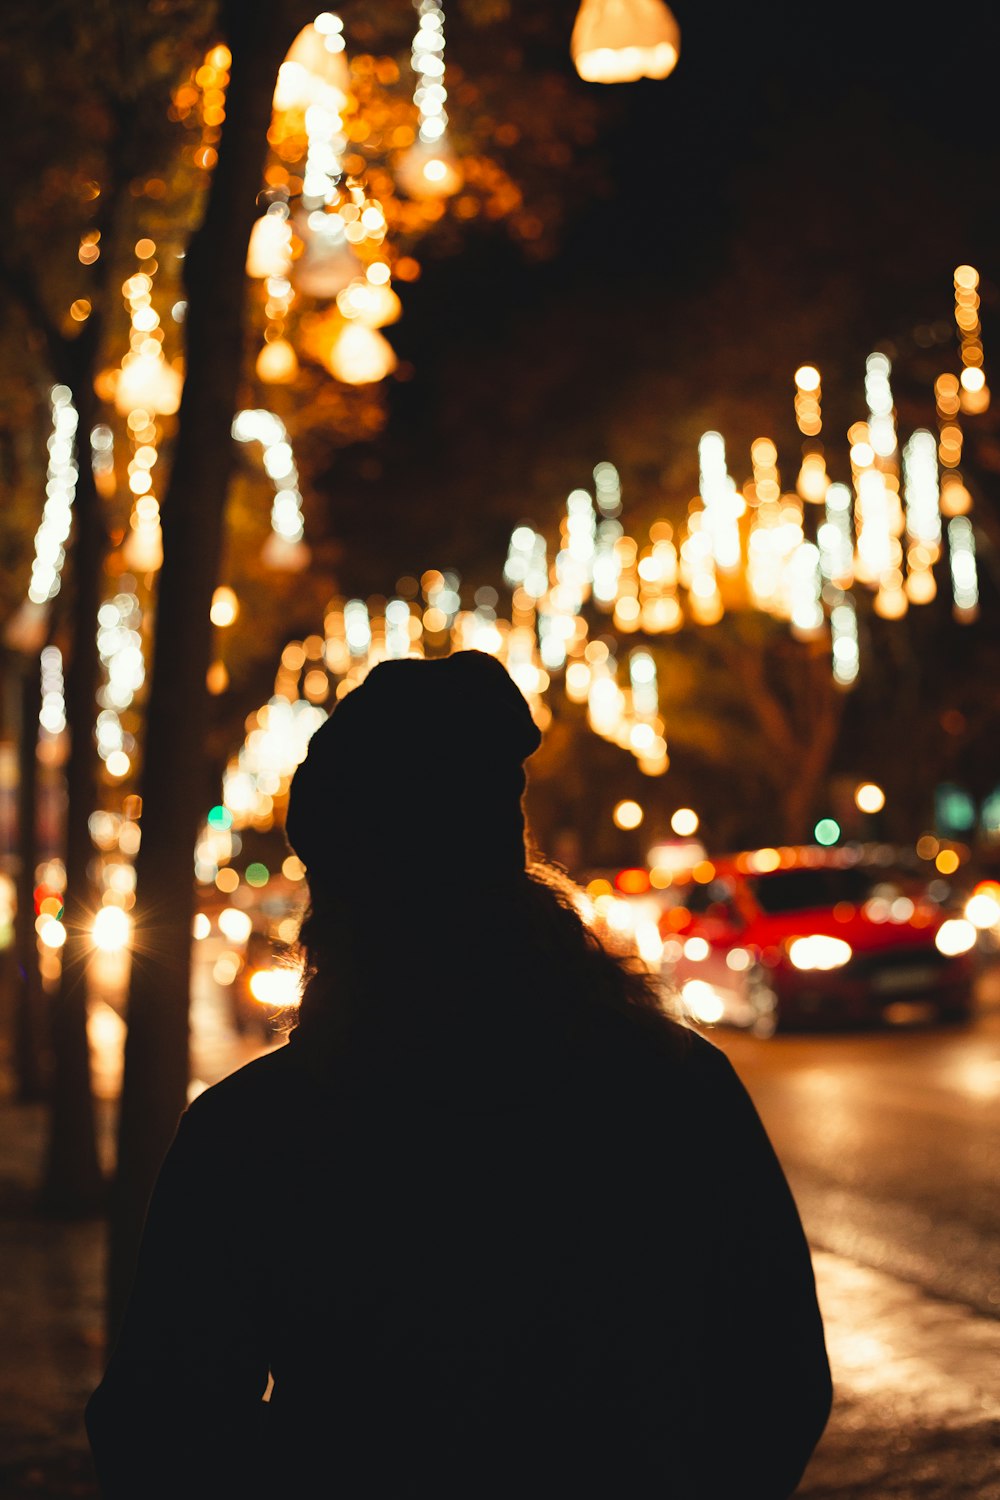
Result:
{"points": [[420, 766]]}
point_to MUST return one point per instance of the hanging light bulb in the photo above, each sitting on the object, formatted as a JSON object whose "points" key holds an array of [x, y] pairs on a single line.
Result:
{"points": [[328, 262], [277, 363], [315, 67], [283, 555], [269, 252], [618, 41], [374, 304], [428, 171], [147, 381], [143, 549], [360, 356]]}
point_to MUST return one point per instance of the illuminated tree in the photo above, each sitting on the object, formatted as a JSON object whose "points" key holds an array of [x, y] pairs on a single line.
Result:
{"points": [[133, 174], [104, 72]]}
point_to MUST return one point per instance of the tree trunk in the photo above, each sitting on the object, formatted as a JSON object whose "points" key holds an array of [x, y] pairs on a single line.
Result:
{"points": [[73, 1182], [29, 999], [156, 1052]]}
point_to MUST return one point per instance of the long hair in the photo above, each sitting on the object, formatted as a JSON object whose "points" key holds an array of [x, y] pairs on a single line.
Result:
{"points": [[521, 943]]}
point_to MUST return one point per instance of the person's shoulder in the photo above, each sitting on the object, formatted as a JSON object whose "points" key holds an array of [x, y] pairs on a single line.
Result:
{"points": [[265, 1083], [660, 1057], [705, 1060], [663, 1042]]}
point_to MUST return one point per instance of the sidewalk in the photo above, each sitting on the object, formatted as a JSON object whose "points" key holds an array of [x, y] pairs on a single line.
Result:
{"points": [[917, 1415], [50, 1303]]}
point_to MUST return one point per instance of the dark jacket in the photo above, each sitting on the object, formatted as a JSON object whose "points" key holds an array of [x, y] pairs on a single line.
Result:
{"points": [[517, 1272]]}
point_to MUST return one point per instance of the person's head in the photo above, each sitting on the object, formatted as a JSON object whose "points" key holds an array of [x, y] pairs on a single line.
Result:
{"points": [[407, 816], [420, 769]]}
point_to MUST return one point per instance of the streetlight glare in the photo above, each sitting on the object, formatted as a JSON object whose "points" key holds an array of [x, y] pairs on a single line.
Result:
{"points": [[111, 930]]}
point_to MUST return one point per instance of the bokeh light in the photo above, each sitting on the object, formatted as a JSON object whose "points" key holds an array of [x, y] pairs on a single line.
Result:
{"points": [[112, 929], [627, 814], [869, 797], [684, 822]]}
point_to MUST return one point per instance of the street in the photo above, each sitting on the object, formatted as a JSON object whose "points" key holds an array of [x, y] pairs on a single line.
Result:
{"points": [[891, 1141]]}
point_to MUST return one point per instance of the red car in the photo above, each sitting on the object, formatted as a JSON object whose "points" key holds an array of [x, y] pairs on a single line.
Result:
{"points": [[813, 937]]}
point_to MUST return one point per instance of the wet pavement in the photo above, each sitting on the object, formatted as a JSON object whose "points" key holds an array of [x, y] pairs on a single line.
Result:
{"points": [[898, 1190], [917, 1410], [891, 1141]]}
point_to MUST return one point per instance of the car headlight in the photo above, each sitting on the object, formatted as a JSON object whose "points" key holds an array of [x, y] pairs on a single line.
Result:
{"points": [[983, 910], [955, 936], [819, 952]]}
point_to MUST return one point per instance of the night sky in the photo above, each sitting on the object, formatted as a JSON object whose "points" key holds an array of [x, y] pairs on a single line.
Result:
{"points": [[800, 189]]}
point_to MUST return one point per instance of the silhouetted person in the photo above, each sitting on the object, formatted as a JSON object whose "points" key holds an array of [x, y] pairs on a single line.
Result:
{"points": [[496, 1226]]}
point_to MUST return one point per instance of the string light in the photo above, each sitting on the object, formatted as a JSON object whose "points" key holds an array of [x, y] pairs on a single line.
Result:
{"points": [[697, 573], [627, 611], [546, 634], [327, 84], [658, 578], [881, 409], [813, 479], [766, 546], [804, 585], [807, 400], [339, 231], [975, 394], [646, 740], [52, 713], [398, 638], [835, 538], [119, 645], [844, 645], [427, 169], [357, 628], [284, 548], [60, 492], [146, 386], [923, 515], [964, 575], [723, 503], [200, 103], [145, 381], [878, 512]]}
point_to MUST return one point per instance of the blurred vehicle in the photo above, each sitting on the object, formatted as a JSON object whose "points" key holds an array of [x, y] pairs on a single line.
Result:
{"points": [[814, 937]]}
